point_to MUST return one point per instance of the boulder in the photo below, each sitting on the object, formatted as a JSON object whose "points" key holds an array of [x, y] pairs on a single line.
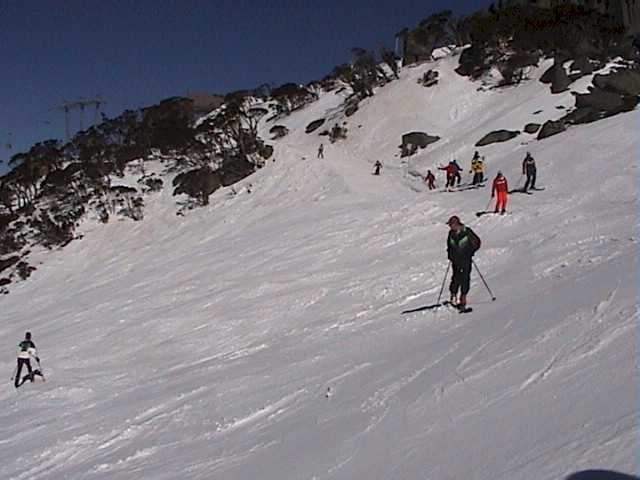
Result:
{"points": [[234, 169], [623, 82], [532, 128], [551, 128], [278, 131], [557, 76], [600, 100], [582, 65], [313, 126], [471, 62], [151, 183], [351, 109], [266, 151], [123, 190], [57, 178], [598, 104], [581, 115], [352, 106], [8, 262], [197, 183], [414, 140], [429, 79], [4, 282], [497, 137]]}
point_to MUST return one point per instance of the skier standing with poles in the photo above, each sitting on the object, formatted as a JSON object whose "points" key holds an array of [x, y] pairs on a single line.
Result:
{"points": [[452, 172], [462, 244], [477, 168], [457, 171], [501, 187], [321, 151], [530, 170], [377, 166], [27, 351]]}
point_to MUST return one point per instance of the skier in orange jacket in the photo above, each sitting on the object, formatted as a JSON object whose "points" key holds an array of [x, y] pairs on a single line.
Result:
{"points": [[501, 187]]}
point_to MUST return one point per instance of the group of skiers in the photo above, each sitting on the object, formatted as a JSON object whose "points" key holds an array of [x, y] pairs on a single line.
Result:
{"points": [[500, 186], [462, 242]]}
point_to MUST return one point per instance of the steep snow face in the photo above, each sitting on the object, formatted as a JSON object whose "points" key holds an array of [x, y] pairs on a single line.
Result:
{"points": [[263, 336]]}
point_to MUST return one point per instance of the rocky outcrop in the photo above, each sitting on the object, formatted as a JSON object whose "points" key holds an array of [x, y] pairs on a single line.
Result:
{"points": [[557, 76], [313, 126], [351, 106], [278, 131], [235, 169], [265, 151], [429, 79], [411, 142], [582, 65], [198, 183], [497, 137], [622, 82], [8, 262], [551, 128], [532, 128], [610, 95]]}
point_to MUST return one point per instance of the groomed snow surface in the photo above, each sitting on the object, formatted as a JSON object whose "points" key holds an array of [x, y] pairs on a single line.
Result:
{"points": [[263, 336]]}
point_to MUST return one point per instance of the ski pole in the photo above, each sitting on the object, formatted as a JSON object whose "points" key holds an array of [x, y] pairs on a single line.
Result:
{"points": [[493, 298], [446, 274]]}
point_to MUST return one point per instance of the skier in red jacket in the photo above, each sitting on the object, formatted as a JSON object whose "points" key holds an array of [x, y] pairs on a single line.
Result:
{"points": [[453, 171], [501, 187]]}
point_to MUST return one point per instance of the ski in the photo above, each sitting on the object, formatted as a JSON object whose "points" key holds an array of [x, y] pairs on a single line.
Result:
{"points": [[480, 214], [460, 310]]}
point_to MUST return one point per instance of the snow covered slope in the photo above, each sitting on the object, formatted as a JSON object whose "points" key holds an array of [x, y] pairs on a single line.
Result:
{"points": [[263, 336]]}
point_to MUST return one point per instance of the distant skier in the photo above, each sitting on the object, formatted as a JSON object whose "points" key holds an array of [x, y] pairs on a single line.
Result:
{"points": [[378, 167], [477, 168], [501, 188], [462, 244], [430, 180], [321, 151], [26, 351], [530, 170]]}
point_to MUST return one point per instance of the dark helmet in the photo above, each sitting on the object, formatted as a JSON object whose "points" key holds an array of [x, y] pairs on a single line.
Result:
{"points": [[27, 336], [454, 220]]}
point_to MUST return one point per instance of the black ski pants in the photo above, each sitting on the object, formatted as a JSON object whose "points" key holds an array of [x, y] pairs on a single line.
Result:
{"points": [[461, 278], [451, 181], [478, 178], [531, 180], [22, 362]]}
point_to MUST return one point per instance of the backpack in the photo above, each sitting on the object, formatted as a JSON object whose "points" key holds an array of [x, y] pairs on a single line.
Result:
{"points": [[476, 243]]}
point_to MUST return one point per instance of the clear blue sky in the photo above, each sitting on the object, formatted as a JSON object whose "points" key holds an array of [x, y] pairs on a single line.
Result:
{"points": [[135, 53]]}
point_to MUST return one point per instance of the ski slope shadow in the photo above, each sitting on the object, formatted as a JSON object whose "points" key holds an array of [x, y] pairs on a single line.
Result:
{"points": [[600, 475]]}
